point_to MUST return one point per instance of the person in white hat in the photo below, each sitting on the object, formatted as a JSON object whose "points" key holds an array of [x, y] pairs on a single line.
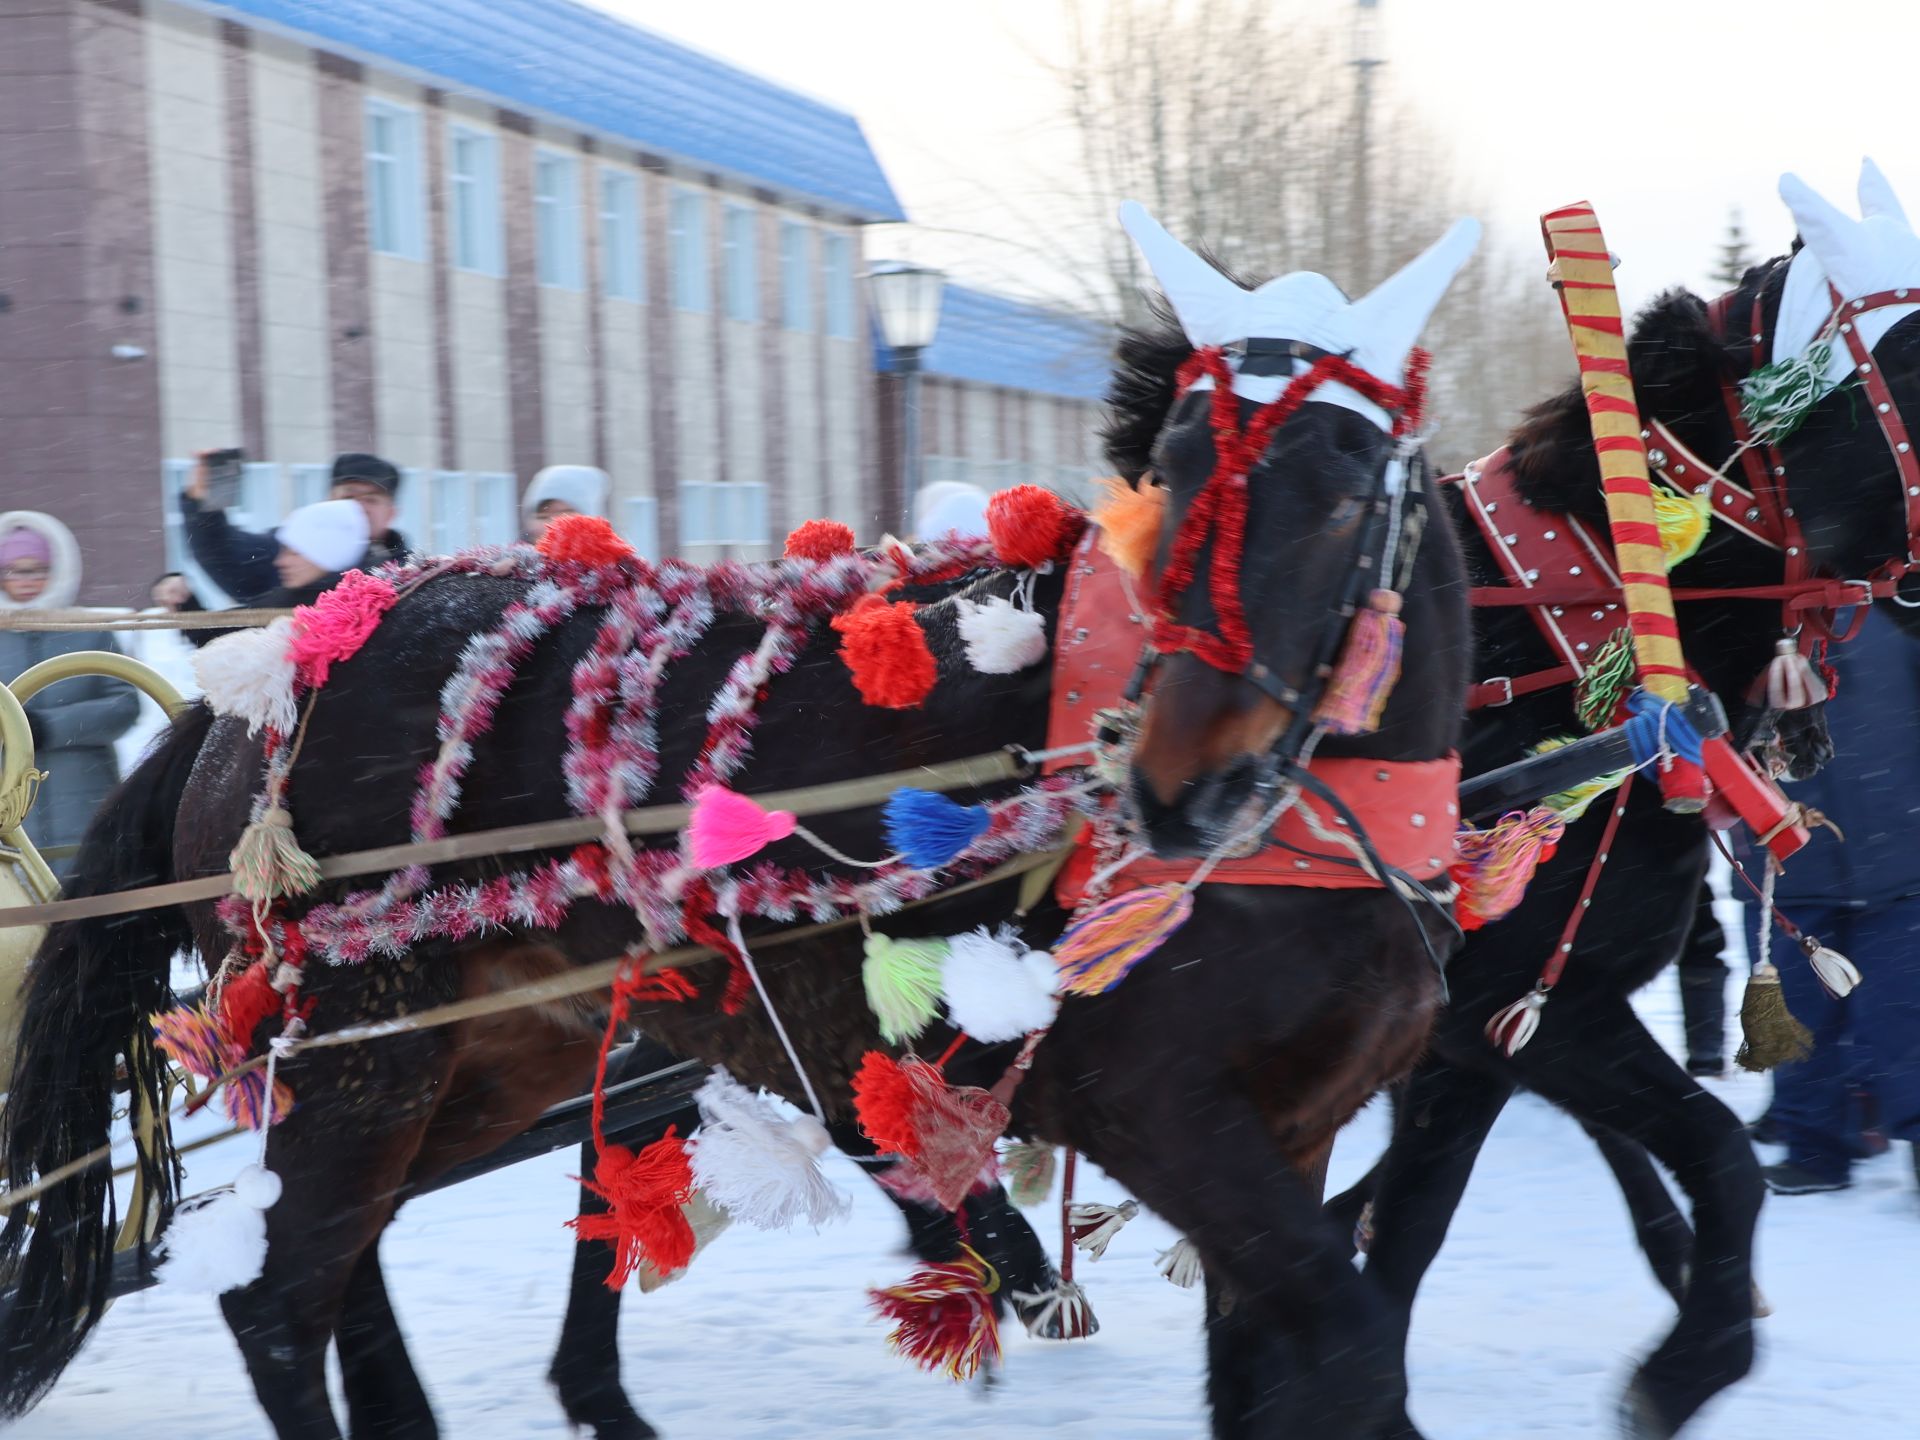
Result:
{"points": [[317, 543], [562, 490]]}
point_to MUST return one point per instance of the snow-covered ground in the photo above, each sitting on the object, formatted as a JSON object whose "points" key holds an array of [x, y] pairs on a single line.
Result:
{"points": [[1527, 1326]]}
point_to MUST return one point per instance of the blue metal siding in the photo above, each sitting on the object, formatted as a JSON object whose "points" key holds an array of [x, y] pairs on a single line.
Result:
{"points": [[992, 340], [576, 63]]}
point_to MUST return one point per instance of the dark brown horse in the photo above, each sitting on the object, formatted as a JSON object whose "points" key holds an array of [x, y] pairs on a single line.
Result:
{"points": [[1273, 1040]]}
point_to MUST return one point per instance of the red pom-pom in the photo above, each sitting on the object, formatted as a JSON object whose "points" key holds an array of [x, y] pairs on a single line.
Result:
{"points": [[583, 540], [887, 652], [644, 1193], [245, 1001], [820, 540], [1030, 527], [884, 1100]]}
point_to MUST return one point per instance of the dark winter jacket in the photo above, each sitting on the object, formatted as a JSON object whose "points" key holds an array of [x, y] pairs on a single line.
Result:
{"points": [[240, 562], [1871, 788], [279, 598], [74, 722]]}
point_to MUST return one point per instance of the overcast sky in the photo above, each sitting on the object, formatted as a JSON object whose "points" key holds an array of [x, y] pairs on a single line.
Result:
{"points": [[1709, 100]]}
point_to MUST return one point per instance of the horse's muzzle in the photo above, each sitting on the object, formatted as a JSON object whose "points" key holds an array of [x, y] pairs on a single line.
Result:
{"points": [[1205, 814]]}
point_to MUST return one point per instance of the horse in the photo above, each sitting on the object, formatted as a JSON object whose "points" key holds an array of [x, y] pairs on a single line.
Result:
{"points": [[1280, 1050], [1850, 488]]}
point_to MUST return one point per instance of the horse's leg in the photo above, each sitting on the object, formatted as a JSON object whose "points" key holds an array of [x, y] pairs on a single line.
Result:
{"points": [[586, 1365], [1658, 1225], [1350, 1207], [1608, 1070], [385, 1400]]}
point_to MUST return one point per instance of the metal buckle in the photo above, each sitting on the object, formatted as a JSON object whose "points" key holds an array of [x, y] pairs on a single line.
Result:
{"points": [[1506, 680]]}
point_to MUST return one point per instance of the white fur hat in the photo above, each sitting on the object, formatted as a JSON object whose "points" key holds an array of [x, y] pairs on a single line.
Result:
{"points": [[581, 486], [332, 534], [63, 578], [951, 507]]}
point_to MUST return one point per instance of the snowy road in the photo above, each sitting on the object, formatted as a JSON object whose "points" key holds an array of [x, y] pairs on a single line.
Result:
{"points": [[1529, 1322]]}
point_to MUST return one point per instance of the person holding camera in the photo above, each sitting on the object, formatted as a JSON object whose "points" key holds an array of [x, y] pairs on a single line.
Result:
{"points": [[241, 562], [313, 547]]}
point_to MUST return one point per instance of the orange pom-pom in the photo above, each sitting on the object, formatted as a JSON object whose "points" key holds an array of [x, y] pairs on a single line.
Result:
{"points": [[886, 650], [583, 540], [884, 1099], [644, 1193], [1030, 526], [1129, 518], [819, 540]]}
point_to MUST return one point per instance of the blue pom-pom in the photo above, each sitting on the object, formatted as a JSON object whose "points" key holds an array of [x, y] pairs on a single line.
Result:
{"points": [[929, 829]]}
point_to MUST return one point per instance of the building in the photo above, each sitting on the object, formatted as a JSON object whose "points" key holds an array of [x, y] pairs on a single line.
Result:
{"points": [[474, 237]]}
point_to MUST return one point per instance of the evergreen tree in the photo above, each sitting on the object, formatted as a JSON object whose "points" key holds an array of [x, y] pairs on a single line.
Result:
{"points": [[1735, 257]]}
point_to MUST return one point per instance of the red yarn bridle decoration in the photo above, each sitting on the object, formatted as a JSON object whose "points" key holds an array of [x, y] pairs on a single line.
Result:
{"points": [[1220, 509]]}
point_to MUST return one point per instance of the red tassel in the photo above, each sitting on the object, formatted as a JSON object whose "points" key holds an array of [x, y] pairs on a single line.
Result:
{"points": [[644, 1193], [1031, 527], [585, 540], [886, 651], [884, 1102], [1363, 681], [906, 1107], [819, 540], [943, 1317], [245, 1001]]}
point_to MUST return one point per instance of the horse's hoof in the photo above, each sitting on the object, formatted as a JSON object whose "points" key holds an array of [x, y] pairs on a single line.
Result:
{"points": [[1640, 1417]]}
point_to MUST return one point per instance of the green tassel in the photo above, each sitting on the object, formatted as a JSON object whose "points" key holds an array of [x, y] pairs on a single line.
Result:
{"points": [[1776, 399], [1606, 682], [1029, 1169], [268, 863], [902, 979]]}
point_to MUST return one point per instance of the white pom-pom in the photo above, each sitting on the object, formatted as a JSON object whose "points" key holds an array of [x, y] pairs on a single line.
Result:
{"points": [[214, 1243], [758, 1166], [249, 675], [995, 988], [1001, 638], [1833, 970], [707, 1221], [257, 1187], [1181, 1264]]}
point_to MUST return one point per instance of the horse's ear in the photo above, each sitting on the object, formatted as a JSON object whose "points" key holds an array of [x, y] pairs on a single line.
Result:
{"points": [[1675, 357]]}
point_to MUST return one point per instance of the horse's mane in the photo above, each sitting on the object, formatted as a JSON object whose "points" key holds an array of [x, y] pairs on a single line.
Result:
{"points": [[1678, 362], [1141, 392]]}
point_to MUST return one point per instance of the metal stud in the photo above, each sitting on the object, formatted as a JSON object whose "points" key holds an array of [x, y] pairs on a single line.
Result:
{"points": [[1079, 633], [1510, 539], [1859, 304], [1866, 369], [1679, 469], [1753, 512], [1573, 569], [1899, 294], [1557, 612], [1303, 865], [1780, 470], [1493, 507], [1793, 550], [1726, 499], [1646, 434], [1599, 614], [1073, 697], [1382, 776], [1532, 575], [1581, 646], [1913, 489], [1902, 447], [1551, 535], [1656, 457], [1788, 512], [1846, 329], [1417, 820]]}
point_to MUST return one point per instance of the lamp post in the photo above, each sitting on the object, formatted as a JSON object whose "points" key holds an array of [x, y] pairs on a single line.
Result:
{"points": [[906, 302]]}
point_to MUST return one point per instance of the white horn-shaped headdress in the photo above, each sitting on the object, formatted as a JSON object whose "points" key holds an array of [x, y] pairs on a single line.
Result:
{"points": [[1376, 331], [1860, 257]]}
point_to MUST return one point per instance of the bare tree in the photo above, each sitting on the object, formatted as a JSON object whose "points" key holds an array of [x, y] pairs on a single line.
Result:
{"points": [[1234, 122], [1735, 254]]}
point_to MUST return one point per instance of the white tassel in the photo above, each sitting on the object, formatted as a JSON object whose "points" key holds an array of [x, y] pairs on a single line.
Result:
{"points": [[995, 988], [1512, 1026], [1831, 968], [1181, 1265], [1094, 1225], [707, 1220], [217, 1242], [1062, 1313], [249, 675], [758, 1166], [1001, 638]]}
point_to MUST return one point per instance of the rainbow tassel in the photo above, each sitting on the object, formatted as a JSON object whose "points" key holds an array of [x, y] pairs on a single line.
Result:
{"points": [[929, 829], [1369, 666], [1492, 867], [1107, 941], [943, 1316]]}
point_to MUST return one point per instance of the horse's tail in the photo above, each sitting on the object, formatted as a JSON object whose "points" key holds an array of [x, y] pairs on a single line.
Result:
{"points": [[83, 1036]]}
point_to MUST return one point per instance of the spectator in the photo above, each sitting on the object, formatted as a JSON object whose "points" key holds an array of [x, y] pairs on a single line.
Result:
{"points": [[75, 722], [951, 508], [316, 544], [242, 563], [561, 490], [1863, 899]]}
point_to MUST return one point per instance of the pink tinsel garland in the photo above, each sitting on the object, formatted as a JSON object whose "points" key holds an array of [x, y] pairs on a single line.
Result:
{"points": [[337, 624]]}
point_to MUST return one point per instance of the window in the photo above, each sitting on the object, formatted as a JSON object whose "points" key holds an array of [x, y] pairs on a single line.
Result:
{"points": [[556, 218], [643, 525], [620, 235], [447, 534], [741, 255], [473, 183], [796, 277], [836, 260], [689, 236], [496, 518], [723, 513], [395, 223]]}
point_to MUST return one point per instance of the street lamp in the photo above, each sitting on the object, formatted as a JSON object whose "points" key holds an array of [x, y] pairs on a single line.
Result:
{"points": [[906, 302]]}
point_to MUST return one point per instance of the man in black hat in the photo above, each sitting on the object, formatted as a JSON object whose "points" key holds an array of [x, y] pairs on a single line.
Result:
{"points": [[241, 562]]}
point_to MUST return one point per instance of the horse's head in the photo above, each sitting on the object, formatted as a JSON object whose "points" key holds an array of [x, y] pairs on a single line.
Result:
{"points": [[1291, 467]]}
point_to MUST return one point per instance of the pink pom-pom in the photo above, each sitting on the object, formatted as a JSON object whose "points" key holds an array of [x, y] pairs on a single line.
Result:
{"points": [[337, 624], [727, 827]]}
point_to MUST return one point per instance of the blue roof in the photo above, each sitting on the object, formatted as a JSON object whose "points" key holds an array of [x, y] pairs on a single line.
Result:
{"points": [[992, 340], [578, 64]]}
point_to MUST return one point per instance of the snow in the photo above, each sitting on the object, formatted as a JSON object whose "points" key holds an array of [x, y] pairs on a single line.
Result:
{"points": [[1537, 1308]]}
